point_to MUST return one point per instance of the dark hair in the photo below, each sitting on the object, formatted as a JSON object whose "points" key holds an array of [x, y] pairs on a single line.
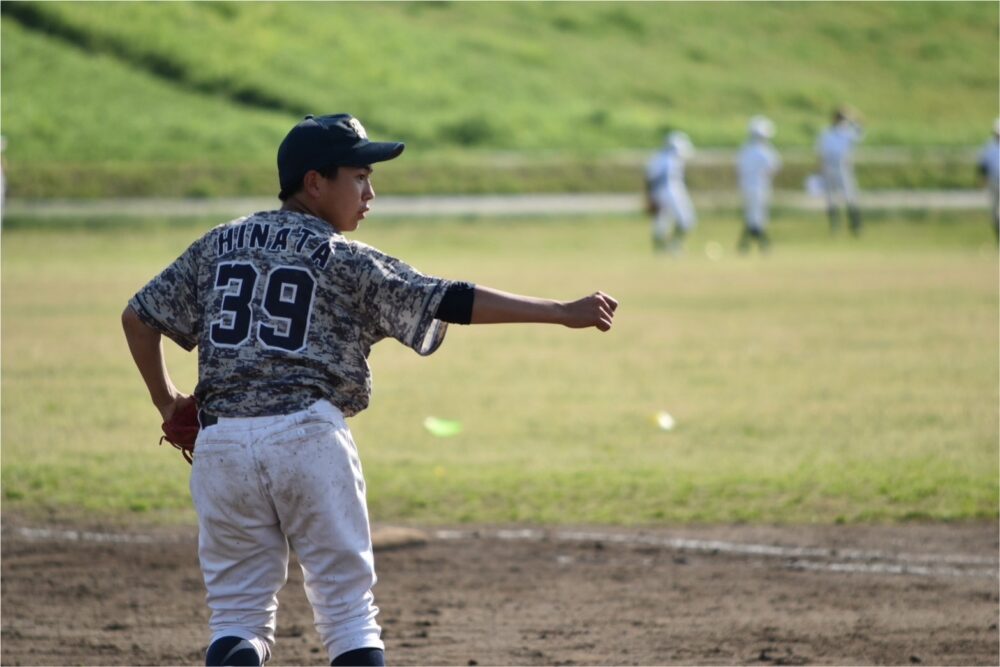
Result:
{"points": [[326, 172]]}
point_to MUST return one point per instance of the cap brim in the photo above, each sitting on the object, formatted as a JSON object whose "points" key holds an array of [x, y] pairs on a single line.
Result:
{"points": [[375, 151]]}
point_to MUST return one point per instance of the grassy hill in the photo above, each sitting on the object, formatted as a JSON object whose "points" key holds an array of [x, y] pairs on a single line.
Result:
{"points": [[192, 98]]}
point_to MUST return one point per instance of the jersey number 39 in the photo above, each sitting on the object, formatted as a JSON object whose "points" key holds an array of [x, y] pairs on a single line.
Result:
{"points": [[287, 306]]}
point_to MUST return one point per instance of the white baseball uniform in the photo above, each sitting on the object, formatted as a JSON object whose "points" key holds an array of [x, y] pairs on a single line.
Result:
{"points": [[3, 178], [665, 176], [284, 312], [989, 162], [757, 163], [835, 148]]}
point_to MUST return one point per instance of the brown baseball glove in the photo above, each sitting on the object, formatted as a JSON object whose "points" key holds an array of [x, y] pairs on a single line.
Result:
{"points": [[651, 207], [181, 429]]}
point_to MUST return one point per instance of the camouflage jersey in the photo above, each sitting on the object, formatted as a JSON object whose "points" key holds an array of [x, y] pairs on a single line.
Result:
{"points": [[284, 311]]}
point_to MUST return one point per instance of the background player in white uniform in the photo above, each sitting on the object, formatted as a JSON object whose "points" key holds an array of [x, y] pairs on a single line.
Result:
{"points": [[666, 193], [989, 169], [757, 163], [284, 310], [835, 148], [3, 176]]}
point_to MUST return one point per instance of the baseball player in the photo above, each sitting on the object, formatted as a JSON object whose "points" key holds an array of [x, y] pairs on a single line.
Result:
{"points": [[757, 163], [667, 196], [284, 310], [3, 176], [835, 148], [989, 169]]}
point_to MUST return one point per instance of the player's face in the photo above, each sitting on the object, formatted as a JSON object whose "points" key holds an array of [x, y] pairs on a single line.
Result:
{"points": [[345, 198]]}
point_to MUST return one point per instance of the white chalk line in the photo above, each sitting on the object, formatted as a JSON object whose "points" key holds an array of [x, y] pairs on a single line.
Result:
{"points": [[803, 558], [799, 558], [892, 568], [56, 535]]}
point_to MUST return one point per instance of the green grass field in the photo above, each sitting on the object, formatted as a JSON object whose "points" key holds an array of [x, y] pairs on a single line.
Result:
{"points": [[836, 380], [192, 97]]}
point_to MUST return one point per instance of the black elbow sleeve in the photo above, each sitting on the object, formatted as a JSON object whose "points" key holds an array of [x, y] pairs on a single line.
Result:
{"points": [[456, 305]]}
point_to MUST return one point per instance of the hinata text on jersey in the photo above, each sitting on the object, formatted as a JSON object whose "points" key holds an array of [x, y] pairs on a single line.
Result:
{"points": [[259, 235]]}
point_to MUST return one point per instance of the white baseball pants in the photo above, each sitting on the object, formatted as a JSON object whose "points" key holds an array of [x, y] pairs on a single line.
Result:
{"points": [[994, 189], [262, 483], [839, 185], [756, 208], [674, 206]]}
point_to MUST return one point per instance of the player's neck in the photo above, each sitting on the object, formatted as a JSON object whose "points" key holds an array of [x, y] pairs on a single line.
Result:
{"points": [[296, 205]]}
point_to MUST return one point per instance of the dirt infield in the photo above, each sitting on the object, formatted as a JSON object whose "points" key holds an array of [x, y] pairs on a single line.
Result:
{"points": [[913, 594]]}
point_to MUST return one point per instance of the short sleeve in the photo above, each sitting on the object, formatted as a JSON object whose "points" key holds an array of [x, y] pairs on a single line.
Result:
{"points": [[397, 301], [169, 302]]}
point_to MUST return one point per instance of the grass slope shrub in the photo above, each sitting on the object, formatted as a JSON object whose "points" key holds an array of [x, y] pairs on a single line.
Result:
{"points": [[186, 83]]}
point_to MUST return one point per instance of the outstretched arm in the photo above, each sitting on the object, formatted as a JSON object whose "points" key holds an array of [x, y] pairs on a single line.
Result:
{"points": [[145, 344], [492, 306]]}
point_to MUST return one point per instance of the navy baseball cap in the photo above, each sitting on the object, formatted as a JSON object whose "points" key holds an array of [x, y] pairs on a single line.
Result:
{"points": [[318, 142]]}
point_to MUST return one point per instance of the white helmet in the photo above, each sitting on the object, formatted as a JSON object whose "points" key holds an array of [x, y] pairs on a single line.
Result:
{"points": [[681, 143], [761, 126]]}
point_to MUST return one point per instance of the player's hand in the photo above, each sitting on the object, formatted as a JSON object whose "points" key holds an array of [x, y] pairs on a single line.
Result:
{"points": [[596, 310], [167, 410]]}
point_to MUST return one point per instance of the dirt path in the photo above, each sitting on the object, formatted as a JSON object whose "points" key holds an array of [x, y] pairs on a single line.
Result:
{"points": [[490, 205], [913, 594]]}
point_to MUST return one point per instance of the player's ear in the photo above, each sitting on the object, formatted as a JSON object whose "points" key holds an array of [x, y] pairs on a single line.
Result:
{"points": [[311, 182]]}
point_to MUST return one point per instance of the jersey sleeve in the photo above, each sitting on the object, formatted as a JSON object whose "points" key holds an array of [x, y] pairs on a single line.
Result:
{"points": [[397, 301], [169, 302]]}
